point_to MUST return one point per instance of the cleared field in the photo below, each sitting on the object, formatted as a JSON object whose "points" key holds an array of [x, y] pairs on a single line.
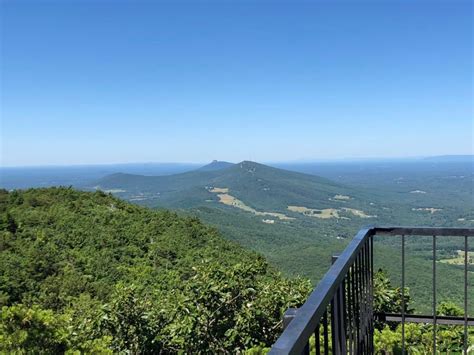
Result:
{"points": [[114, 191], [220, 190], [459, 259], [358, 213], [428, 209], [341, 197], [329, 212], [465, 220], [311, 212], [230, 200]]}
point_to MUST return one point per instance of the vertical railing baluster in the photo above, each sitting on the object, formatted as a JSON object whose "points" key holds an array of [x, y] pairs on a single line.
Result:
{"points": [[349, 309], [371, 337], [325, 333], [364, 302], [306, 349], [434, 294], [354, 309], [361, 303], [466, 252], [342, 317], [357, 306], [317, 341], [367, 294], [366, 255], [357, 285], [403, 294], [335, 323]]}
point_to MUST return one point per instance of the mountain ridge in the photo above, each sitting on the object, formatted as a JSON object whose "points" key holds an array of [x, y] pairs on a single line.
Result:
{"points": [[248, 185], [215, 165]]}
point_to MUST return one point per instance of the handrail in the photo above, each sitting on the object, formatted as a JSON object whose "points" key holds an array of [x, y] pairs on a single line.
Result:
{"points": [[295, 337], [424, 231]]}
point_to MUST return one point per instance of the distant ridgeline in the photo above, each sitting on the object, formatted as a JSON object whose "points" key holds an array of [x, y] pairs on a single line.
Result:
{"points": [[88, 272]]}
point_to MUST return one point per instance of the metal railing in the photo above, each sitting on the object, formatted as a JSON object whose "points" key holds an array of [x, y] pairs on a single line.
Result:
{"points": [[338, 317]]}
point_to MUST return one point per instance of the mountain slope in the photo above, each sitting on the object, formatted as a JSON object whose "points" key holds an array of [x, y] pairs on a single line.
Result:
{"points": [[257, 186], [94, 274], [297, 220], [216, 165]]}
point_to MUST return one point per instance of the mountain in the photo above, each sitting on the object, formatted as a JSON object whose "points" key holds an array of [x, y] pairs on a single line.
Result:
{"points": [[248, 186], [216, 165], [89, 273], [451, 159], [297, 221]]}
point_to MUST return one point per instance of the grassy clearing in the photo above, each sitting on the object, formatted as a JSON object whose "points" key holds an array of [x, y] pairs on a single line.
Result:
{"points": [[459, 258], [329, 212], [342, 197], [311, 212], [358, 213], [230, 200], [220, 190], [428, 209]]}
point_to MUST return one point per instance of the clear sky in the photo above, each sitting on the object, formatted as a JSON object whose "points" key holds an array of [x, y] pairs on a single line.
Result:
{"points": [[190, 81]]}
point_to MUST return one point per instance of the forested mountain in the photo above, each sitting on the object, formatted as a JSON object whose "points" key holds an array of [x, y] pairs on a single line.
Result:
{"points": [[216, 165], [297, 220], [89, 272], [256, 185]]}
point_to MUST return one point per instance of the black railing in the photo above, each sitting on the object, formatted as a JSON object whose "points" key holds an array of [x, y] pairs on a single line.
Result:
{"points": [[338, 317]]}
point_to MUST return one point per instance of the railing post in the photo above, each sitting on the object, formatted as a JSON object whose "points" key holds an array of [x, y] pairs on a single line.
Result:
{"points": [[288, 316]]}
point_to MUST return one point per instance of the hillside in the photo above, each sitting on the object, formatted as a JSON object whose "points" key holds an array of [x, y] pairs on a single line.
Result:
{"points": [[297, 221], [248, 186], [91, 273], [216, 165]]}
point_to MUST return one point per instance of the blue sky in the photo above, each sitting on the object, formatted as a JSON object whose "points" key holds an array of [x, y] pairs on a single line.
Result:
{"points": [[87, 82]]}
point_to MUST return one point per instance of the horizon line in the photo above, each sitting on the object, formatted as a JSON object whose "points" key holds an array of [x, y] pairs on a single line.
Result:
{"points": [[295, 161]]}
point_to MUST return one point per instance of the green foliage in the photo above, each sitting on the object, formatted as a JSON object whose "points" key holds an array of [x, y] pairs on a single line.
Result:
{"points": [[388, 299], [31, 329], [419, 337], [236, 307], [85, 272]]}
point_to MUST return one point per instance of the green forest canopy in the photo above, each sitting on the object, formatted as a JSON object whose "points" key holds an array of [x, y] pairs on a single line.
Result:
{"points": [[88, 272]]}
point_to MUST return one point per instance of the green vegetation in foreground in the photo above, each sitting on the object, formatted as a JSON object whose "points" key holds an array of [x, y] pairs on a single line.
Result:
{"points": [[87, 272]]}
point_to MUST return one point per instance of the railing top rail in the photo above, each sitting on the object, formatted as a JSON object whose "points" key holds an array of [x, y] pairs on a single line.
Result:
{"points": [[424, 231], [295, 336]]}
